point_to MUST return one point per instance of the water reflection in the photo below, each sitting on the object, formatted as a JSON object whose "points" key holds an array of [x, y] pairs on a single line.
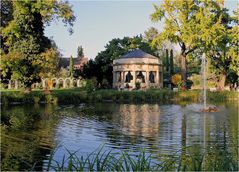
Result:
{"points": [[26, 136], [160, 129], [139, 120]]}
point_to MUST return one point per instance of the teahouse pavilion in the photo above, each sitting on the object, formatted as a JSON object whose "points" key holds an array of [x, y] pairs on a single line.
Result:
{"points": [[137, 69]]}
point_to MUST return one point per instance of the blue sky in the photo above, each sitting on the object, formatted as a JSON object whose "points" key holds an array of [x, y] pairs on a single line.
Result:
{"points": [[97, 22]]}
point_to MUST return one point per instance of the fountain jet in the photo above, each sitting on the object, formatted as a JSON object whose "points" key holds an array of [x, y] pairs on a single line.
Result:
{"points": [[204, 87]]}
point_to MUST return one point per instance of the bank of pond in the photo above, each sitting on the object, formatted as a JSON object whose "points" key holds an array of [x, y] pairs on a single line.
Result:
{"points": [[75, 96]]}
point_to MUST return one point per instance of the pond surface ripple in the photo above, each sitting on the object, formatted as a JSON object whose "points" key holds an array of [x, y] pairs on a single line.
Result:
{"points": [[159, 129]]}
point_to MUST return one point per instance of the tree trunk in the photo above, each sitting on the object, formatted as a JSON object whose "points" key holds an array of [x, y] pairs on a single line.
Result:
{"points": [[183, 67], [222, 81]]}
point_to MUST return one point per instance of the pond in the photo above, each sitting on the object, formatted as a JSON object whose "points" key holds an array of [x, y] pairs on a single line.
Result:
{"points": [[30, 133]]}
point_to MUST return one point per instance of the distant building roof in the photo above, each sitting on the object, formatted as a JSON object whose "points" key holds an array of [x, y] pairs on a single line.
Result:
{"points": [[138, 54], [64, 62]]}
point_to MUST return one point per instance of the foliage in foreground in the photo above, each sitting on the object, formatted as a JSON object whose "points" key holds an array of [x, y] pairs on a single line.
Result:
{"points": [[100, 160]]}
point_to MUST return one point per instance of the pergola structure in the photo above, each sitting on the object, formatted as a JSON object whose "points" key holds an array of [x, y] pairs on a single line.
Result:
{"points": [[50, 83], [137, 69]]}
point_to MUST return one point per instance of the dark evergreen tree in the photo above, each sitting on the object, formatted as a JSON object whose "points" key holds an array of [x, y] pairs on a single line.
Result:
{"points": [[80, 52], [171, 63], [167, 61], [71, 70]]}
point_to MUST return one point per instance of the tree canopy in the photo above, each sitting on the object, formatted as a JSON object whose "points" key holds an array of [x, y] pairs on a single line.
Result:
{"points": [[193, 25], [25, 48], [224, 54]]}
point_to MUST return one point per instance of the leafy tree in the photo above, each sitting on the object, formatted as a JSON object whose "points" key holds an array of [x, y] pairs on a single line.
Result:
{"points": [[19, 61], [28, 48], [89, 70], [150, 34], [71, 67], [192, 24], [62, 73], [5, 18], [80, 52], [49, 62], [176, 79], [224, 54]]}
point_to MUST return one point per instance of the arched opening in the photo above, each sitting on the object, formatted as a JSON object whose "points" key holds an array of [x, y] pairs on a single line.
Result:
{"points": [[140, 77], [74, 83], [128, 77], [54, 82], [152, 77], [67, 83], [60, 83]]}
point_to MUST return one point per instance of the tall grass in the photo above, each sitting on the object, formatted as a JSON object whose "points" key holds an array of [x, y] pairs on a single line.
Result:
{"points": [[100, 160]]}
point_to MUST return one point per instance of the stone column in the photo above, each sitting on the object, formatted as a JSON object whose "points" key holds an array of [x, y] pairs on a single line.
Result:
{"points": [[9, 84], [157, 78], [78, 83], [134, 78], [71, 83], [115, 83], [16, 84], [117, 78], [122, 77], [147, 78], [64, 83], [161, 76], [37, 85], [56, 83], [43, 83]]}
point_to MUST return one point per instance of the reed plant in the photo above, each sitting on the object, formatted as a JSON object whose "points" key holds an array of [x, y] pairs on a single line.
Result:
{"points": [[101, 160]]}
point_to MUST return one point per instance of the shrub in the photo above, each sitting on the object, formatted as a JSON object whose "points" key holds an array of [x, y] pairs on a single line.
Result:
{"points": [[137, 85], [94, 81], [189, 84], [105, 84], [89, 87], [196, 79], [36, 99], [98, 97], [3, 85], [177, 79], [51, 99]]}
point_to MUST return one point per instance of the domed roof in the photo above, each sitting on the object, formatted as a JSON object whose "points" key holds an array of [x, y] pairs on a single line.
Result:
{"points": [[137, 54], [137, 57]]}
